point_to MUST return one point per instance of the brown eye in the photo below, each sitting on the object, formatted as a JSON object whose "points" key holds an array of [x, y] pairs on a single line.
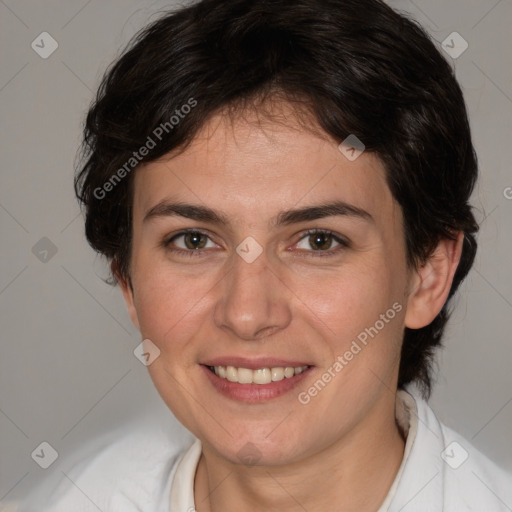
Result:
{"points": [[189, 242], [195, 240], [320, 241]]}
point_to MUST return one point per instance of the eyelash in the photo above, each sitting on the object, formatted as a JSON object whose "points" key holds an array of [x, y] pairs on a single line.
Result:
{"points": [[343, 244]]}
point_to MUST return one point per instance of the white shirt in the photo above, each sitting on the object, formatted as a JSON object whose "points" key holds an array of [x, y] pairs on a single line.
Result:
{"points": [[152, 472]]}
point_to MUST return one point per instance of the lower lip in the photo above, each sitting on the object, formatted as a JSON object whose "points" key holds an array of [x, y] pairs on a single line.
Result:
{"points": [[254, 392]]}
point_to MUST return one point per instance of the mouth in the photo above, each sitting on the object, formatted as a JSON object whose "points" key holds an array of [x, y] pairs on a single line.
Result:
{"points": [[254, 381]]}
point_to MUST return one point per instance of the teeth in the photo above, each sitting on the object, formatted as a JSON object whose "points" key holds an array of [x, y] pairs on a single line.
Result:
{"points": [[259, 376], [277, 374], [244, 375]]}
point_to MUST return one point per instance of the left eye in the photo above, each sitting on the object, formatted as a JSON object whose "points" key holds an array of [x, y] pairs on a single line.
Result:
{"points": [[320, 241]]}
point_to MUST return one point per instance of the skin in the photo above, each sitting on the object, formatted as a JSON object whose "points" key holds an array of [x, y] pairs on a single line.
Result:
{"points": [[342, 447]]}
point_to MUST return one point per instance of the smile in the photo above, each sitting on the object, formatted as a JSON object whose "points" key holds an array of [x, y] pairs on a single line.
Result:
{"points": [[267, 379], [258, 376]]}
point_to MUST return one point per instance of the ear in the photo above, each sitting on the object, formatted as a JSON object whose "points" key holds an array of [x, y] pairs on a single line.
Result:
{"points": [[127, 289], [430, 284]]}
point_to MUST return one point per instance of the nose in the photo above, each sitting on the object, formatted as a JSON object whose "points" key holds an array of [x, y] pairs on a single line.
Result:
{"points": [[254, 302]]}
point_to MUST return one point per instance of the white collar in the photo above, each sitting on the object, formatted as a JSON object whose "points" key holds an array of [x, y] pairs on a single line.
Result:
{"points": [[406, 414], [182, 488]]}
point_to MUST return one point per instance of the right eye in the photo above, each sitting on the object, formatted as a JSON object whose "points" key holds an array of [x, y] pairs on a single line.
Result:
{"points": [[190, 243]]}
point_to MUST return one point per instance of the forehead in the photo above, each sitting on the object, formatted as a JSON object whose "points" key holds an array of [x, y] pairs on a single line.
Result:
{"points": [[261, 165]]}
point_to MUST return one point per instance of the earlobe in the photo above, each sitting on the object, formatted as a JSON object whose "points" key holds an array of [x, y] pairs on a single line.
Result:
{"points": [[432, 283]]}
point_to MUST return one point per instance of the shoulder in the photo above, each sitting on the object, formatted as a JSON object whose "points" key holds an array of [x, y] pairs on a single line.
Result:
{"points": [[472, 480], [465, 477], [122, 475]]}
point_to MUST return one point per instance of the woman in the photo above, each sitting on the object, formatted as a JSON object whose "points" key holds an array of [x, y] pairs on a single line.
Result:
{"points": [[282, 191]]}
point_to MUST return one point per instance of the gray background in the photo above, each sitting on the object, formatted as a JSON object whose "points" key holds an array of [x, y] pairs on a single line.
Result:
{"points": [[67, 369]]}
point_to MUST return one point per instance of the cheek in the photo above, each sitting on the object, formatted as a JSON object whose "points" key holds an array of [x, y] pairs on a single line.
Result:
{"points": [[350, 297], [359, 313], [168, 305]]}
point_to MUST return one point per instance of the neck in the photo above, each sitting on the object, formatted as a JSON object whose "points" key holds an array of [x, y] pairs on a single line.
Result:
{"points": [[356, 472]]}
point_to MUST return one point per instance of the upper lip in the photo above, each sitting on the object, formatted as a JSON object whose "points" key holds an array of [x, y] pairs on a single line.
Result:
{"points": [[253, 363]]}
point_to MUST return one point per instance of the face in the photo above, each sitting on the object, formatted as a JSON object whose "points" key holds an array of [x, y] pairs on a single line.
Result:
{"points": [[238, 262]]}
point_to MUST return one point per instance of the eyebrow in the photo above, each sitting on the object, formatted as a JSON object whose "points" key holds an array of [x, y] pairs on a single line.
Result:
{"points": [[203, 213]]}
